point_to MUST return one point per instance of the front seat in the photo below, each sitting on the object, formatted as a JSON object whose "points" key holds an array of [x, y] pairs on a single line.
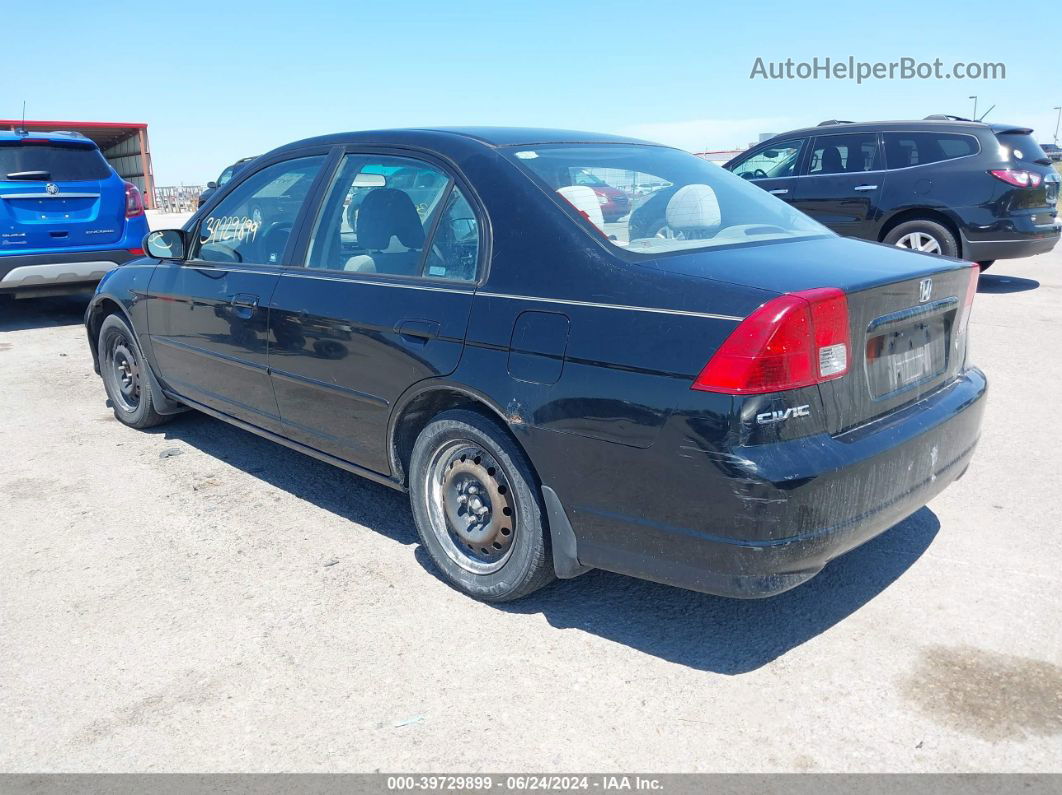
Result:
{"points": [[831, 161], [694, 211], [390, 229]]}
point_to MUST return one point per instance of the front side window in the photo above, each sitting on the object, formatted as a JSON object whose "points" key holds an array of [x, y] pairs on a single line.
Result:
{"points": [[396, 216], [903, 149], [671, 200], [778, 160], [845, 154], [253, 223]]}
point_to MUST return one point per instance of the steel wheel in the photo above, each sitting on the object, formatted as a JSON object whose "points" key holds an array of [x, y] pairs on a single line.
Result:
{"points": [[124, 369], [920, 241], [470, 507]]}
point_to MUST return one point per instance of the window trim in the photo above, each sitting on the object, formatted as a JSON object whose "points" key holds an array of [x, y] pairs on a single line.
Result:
{"points": [[457, 179], [291, 247]]}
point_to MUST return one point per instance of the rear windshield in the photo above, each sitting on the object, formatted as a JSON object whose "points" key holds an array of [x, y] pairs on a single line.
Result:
{"points": [[652, 199], [51, 162], [1022, 148]]}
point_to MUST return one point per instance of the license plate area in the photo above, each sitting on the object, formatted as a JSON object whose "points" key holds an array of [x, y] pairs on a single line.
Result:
{"points": [[908, 349]]}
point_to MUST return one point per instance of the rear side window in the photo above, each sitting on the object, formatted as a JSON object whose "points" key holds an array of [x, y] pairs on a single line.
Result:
{"points": [[395, 216], [51, 162], [850, 153], [903, 149], [779, 160]]}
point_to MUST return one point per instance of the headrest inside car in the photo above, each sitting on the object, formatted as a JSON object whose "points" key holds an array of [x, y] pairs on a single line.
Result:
{"points": [[387, 213], [693, 208], [583, 199]]}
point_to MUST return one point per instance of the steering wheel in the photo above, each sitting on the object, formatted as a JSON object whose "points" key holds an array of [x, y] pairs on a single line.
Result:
{"points": [[759, 173]]}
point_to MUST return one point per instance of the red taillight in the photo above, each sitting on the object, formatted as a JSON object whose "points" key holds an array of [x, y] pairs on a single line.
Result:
{"points": [[1018, 177], [795, 340], [137, 252], [134, 202]]}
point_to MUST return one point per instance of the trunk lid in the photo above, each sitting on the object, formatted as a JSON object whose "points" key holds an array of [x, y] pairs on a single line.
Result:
{"points": [[905, 312], [56, 195]]}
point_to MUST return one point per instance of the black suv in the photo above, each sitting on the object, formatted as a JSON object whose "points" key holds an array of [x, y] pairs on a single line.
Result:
{"points": [[943, 185]]}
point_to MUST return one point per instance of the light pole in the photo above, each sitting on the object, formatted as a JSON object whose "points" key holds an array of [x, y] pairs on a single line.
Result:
{"points": [[974, 98], [1057, 120]]}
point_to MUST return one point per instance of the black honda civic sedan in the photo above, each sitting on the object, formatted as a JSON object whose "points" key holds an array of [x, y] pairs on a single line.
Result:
{"points": [[725, 405]]}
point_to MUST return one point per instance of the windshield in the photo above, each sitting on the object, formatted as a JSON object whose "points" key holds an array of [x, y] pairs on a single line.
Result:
{"points": [[672, 200], [22, 160]]}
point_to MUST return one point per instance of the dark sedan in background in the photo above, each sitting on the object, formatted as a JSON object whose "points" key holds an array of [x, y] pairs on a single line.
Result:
{"points": [[726, 407], [942, 185]]}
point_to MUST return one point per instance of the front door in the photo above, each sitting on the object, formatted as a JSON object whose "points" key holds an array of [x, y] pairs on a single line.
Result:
{"points": [[843, 183], [208, 316], [773, 168], [382, 303]]}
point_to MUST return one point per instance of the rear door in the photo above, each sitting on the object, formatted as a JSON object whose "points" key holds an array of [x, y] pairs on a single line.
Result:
{"points": [[842, 183], [208, 316], [382, 302], [57, 194], [773, 168]]}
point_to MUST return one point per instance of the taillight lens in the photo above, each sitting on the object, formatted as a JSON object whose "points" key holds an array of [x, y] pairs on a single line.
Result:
{"points": [[134, 202], [1018, 177], [792, 341]]}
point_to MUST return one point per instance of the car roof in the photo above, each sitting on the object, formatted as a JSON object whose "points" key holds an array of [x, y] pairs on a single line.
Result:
{"points": [[59, 136], [911, 125], [464, 137]]}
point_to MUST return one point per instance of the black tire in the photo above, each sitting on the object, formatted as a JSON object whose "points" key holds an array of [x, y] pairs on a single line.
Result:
{"points": [[525, 564], [985, 264], [125, 378], [945, 241]]}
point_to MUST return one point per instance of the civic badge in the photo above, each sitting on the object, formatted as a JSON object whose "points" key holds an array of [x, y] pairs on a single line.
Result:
{"points": [[51, 188], [925, 290]]}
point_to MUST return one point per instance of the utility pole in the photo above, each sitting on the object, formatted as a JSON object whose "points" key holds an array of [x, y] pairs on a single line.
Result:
{"points": [[1057, 120], [974, 98]]}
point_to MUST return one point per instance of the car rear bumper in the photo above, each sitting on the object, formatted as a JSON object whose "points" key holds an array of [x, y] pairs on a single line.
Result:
{"points": [[790, 507], [1026, 245], [28, 271]]}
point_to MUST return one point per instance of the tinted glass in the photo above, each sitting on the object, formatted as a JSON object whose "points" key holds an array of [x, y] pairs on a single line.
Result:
{"points": [[903, 149], [1021, 148], [672, 200], [778, 160], [845, 154], [253, 223], [60, 162], [454, 250], [378, 215]]}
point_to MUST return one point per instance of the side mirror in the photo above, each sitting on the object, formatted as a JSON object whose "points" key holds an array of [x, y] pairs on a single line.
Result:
{"points": [[165, 244], [212, 184]]}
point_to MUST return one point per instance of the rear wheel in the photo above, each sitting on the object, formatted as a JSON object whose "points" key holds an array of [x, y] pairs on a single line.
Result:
{"points": [[928, 237], [125, 375], [477, 508]]}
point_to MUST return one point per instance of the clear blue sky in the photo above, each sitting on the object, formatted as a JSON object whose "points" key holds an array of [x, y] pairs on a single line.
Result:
{"points": [[216, 81]]}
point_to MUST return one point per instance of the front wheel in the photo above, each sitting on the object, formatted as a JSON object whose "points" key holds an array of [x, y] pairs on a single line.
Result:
{"points": [[125, 375], [477, 508], [928, 237]]}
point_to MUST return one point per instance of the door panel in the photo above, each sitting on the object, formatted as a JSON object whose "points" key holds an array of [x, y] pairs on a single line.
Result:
{"points": [[209, 317], [843, 184], [383, 303]]}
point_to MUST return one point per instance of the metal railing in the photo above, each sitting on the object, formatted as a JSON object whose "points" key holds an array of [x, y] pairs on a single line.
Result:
{"points": [[177, 198]]}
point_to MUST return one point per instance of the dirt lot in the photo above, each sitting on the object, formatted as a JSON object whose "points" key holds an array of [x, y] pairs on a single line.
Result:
{"points": [[196, 598]]}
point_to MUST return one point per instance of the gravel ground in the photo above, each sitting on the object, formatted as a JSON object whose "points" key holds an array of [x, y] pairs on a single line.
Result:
{"points": [[198, 599]]}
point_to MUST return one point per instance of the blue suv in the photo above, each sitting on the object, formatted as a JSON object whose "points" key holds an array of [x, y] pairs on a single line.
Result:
{"points": [[66, 217]]}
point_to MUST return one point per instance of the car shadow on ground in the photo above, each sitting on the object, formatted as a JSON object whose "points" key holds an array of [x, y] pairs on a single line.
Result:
{"points": [[30, 313], [996, 283], [727, 636]]}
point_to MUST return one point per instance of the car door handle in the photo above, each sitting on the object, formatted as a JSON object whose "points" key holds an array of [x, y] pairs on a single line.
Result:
{"points": [[865, 187], [418, 330], [245, 299], [778, 191]]}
